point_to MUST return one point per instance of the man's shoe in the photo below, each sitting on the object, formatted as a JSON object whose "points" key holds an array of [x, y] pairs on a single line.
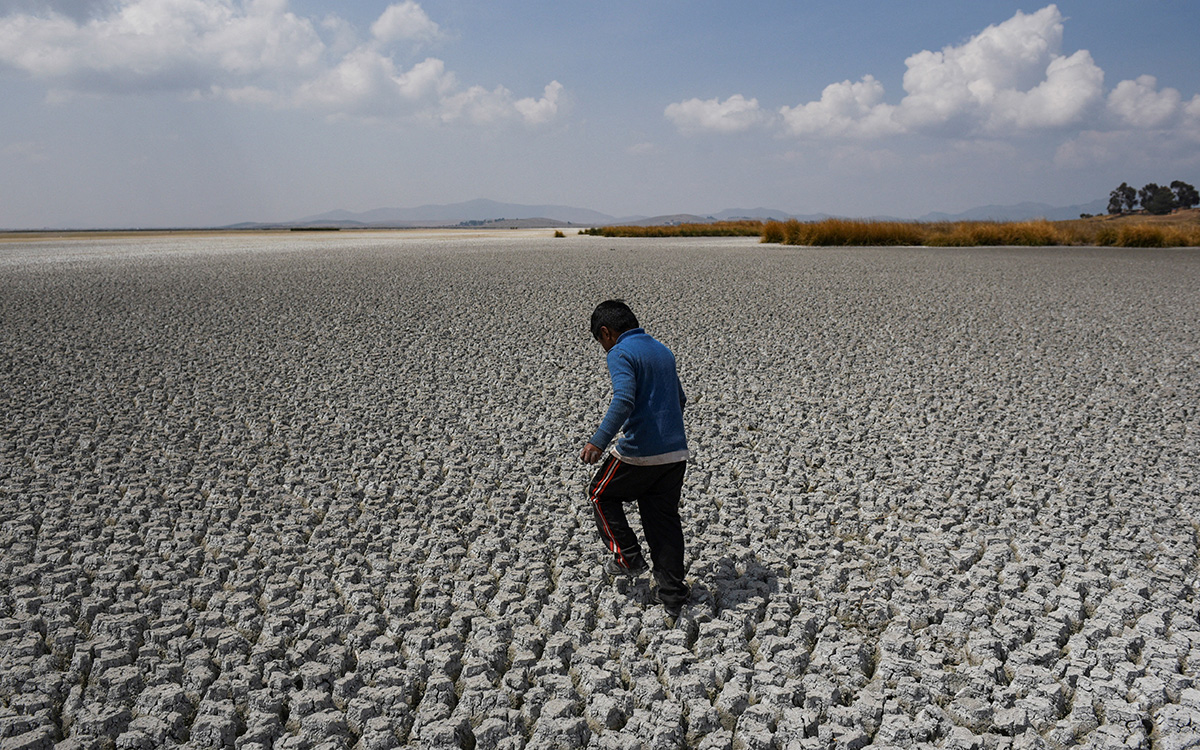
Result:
{"points": [[675, 606], [674, 614], [616, 569]]}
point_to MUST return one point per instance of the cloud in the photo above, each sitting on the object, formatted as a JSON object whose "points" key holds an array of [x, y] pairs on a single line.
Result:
{"points": [[730, 116], [1139, 105], [1146, 124], [1072, 87], [1191, 119], [1010, 80], [255, 52], [538, 111], [161, 45], [1017, 64], [854, 109], [405, 21], [481, 106], [366, 82]]}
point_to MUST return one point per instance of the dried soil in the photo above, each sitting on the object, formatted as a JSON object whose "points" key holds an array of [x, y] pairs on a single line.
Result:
{"points": [[324, 492]]}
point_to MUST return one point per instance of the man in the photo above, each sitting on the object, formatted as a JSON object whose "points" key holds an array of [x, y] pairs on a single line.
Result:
{"points": [[647, 464]]}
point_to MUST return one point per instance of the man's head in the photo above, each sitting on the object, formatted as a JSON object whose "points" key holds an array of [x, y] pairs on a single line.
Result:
{"points": [[610, 319]]}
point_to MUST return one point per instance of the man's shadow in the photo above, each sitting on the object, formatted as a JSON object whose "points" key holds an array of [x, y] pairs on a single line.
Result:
{"points": [[732, 581], [718, 585]]}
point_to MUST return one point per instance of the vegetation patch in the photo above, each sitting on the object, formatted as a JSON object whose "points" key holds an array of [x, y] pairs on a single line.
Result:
{"points": [[1123, 231], [713, 229], [1154, 199]]}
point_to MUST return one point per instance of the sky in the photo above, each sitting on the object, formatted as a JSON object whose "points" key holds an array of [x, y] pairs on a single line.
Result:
{"points": [[161, 113]]}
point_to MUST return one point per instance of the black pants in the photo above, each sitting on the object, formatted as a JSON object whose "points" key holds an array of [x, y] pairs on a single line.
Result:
{"points": [[656, 490]]}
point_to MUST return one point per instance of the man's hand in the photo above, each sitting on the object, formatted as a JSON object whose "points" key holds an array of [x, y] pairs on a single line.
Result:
{"points": [[590, 454]]}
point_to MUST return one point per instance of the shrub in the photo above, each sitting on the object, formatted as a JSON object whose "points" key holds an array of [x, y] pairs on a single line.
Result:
{"points": [[773, 232], [1034, 233], [1106, 237], [1147, 235], [845, 232], [793, 233], [746, 228], [978, 233], [1141, 235], [965, 234], [1182, 236]]}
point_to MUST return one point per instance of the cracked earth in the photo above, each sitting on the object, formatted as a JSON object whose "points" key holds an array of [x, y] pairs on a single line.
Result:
{"points": [[323, 492]]}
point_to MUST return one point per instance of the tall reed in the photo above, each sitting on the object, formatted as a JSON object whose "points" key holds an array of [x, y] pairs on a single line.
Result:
{"points": [[1149, 235], [846, 232], [715, 229]]}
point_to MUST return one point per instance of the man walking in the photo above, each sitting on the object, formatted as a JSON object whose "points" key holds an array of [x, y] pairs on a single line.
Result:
{"points": [[647, 464]]}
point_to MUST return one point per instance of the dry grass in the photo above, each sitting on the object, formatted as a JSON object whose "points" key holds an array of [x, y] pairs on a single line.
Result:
{"points": [[1148, 235], [714, 229], [975, 233], [848, 232], [1182, 230]]}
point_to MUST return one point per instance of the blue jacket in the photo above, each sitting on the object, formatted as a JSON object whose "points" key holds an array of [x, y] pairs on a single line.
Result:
{"points": [[647, 402]]}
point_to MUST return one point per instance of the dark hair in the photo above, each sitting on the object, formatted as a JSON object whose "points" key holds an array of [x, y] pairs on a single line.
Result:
{"points": [[614, 315]]}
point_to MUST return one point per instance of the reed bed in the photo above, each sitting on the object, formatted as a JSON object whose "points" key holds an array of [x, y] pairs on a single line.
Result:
{"points": [[1039, 233], [1148, 235], [714, 229]]}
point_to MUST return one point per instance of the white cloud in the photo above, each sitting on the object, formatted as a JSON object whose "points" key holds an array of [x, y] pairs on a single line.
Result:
{"points": [[1192, 109], [405, 20], [1012, 79], [161, 44], [1191, 119], [1139, 105], [255, 52], [363, 76], [1009, 77], [477, 104], [853, 109], [730, 116], [1009, 56], [1073, 85], [538, 111]]}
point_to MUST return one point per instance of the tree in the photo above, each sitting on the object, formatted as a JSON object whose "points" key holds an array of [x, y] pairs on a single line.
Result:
{"points": [[1147, 193], [1157, 200], [1185, 194], [1122, 199]]}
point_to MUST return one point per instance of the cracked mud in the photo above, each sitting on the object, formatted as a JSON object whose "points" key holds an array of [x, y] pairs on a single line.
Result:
{"points": [[291, 492]]}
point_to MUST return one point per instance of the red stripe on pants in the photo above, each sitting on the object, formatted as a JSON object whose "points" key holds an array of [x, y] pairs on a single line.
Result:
{"points": [[609, 471]]}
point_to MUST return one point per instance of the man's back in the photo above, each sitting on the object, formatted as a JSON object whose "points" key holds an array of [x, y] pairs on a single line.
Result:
{"points": [[647, 392]]}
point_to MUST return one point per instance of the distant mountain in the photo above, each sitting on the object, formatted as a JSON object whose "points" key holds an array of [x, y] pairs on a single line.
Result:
{"points": [[729, 214], [765, 214], [484, 212], [455, 213], [1021, 212]]}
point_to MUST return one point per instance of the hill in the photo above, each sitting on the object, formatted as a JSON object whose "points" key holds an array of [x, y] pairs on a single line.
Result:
{"points": [[489, 213], [1021, 212], [455, 213]]}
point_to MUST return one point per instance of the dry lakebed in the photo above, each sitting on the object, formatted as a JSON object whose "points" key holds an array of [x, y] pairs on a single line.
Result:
{"points": [[299, 491]]}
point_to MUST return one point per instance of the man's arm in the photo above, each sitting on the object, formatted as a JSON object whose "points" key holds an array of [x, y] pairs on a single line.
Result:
{"points": [[624, 389]]}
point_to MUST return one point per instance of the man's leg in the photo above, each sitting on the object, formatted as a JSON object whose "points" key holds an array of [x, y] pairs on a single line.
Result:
{"points": [[610, 489], [659, 508]]}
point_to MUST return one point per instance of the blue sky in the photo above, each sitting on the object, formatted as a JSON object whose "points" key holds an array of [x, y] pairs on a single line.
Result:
{"points": [[210, 112]]}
